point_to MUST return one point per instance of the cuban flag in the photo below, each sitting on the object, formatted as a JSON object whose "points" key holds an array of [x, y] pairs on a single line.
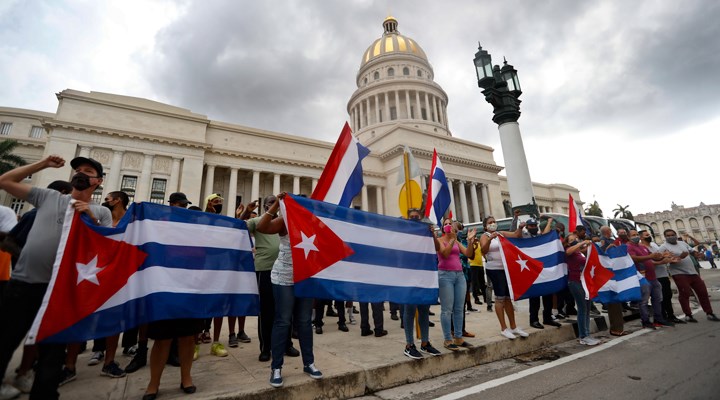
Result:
{"points": [[159, 263], [343, 253], [625, 283], [594, 275], [574, 217], [438, 192], [534, 266], [342, 178]]}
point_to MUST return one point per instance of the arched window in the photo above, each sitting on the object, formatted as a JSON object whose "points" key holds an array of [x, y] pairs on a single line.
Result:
{"points": [[365, 82], [391, 72], [680, 225], [708, 222], [406, 71], [419, 73], [376, 75], [666, 225]]}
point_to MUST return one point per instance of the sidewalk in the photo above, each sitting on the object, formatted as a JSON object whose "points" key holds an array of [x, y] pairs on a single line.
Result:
{"points": [[352, 365]]}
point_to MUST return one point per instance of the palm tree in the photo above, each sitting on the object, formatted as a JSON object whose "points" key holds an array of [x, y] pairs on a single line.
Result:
{"points": [[623, 212], [594, 209], [9, 161]]}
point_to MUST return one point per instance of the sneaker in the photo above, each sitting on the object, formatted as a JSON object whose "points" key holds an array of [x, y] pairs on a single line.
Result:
{"points": [[96, 358], [560, 316], [589, 341], [349, 314], [676, 320], [196, 353], [130, 351], [68, 375], [520, 332], [648, 325], [450, 345], [690, 318], [24, 382], [217, 349], [233, 340], [243, 337], [411, 351], [508, 334], [8, 392], [292, 352], [713, 317], [205, 337], [663, 324], [331, 313], [429, 349], [394, 317], [312, 371], [113, 370], [276, 380], [139, 361]]}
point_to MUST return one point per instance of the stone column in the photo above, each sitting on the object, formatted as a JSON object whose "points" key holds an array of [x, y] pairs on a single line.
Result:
{"points": [[423, 182], [232, 193], [174, 176], [427, 107], [366, 114], [143, 190], [452, 199], [379, 199], [255, 187], [276, 183], [364, 198], [407, 103], [435, 108], [296, 185], [112, 182], [485, 199], [387, 107], [474, 201], [447, 123], [84, 151], [209, 181], [397, 104], [463, 202], [418, 109], [377, 109], [314, 183]]}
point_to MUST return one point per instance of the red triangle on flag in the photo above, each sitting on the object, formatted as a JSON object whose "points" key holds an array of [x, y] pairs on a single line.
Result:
{"points": [[594, 274], [522, 270], [92, 269], [313, 244]]}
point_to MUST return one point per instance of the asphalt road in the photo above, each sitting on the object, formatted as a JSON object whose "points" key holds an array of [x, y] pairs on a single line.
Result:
{"points": [[669, 363]]}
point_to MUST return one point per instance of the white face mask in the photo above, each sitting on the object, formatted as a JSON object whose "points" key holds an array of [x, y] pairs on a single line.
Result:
{"points": [[492, 227]]}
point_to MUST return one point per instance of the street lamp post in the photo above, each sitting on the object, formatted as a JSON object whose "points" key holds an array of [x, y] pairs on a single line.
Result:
{"points": [[501, 88]]}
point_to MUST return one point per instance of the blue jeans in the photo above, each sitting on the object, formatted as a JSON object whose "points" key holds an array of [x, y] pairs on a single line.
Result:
{"points": [[583, 318], [652, 291], [297, 310], [452, 301], [423, 312]]}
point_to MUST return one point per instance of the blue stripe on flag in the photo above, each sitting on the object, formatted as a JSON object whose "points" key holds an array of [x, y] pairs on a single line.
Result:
{"points": [[373, 255], [545, 288], [333, 290], [199, 258]]}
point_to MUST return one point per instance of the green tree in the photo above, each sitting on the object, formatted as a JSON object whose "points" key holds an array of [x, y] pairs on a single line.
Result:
{"points": [[9, 161], [623, 212], [594, 209]]}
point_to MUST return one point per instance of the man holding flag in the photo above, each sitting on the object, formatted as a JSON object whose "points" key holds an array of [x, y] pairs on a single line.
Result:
{"points": [[26, 289]]}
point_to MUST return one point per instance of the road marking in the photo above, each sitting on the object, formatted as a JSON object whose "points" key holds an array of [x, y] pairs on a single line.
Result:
{"points": [[534, 370]]}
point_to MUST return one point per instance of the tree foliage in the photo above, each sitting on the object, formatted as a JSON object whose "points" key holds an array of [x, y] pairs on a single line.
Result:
{"points": [[594, 209], [8, 160], [623, 212]]}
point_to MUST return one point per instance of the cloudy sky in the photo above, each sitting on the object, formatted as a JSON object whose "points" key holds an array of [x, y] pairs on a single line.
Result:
{"points": [[620, 98]]}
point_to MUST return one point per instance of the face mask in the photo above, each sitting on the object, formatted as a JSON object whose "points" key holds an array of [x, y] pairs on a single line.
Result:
{"points": [[574, 242], [492, 227], [623, 237], [671, 239], [635, 240], [648, 239], [80, 181], [107, 205], [217, 208], [447, 228], [533, 231]]}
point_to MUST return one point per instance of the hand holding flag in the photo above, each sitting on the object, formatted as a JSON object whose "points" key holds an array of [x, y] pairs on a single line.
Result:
{"points": [[594, 274]]}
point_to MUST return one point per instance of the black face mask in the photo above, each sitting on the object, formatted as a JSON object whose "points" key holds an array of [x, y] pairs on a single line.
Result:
{"points": [[80, 181], [648, 239], [217, 208], [533, 231], [106, 204]]}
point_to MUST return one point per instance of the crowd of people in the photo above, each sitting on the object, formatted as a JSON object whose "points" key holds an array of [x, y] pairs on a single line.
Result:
{"points": [[465, 260]]}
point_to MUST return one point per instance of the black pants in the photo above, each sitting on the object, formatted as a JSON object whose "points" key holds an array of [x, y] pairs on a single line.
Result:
{"points": [[477, 281], [267, 312], [320, 311], [667, 309], [547, 303], [565, 301], [377, 317]]}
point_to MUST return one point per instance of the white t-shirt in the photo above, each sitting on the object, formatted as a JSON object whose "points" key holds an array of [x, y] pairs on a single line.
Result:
{"points": [[8, 219]]}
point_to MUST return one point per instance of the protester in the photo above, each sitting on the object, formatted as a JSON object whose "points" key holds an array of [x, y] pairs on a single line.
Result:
{"points": [[575, 258], [645, 261], [533, 230], [490, 246], [288, 308], [26, 288]]}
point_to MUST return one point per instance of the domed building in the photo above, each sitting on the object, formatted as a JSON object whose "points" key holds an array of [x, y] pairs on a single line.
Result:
{"points": [[150, 149]]}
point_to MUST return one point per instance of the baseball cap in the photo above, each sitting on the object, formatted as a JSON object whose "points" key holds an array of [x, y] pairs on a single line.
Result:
{"points": [[179, 197], [78, 161], [213, 197], [531, 221]]}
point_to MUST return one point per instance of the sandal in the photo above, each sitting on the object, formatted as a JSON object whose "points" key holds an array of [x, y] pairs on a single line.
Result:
{"points": [[623, 333], [451, 346]]}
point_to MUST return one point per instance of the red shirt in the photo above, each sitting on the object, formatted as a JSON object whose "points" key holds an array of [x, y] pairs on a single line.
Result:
{"points": [[647, 267]]}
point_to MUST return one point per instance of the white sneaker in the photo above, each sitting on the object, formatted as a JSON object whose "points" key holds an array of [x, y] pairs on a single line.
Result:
{"points": [[508, 334], [349, 313], [8, 392], [96, 358], [589, 341], [520, 332], [24, 382]]}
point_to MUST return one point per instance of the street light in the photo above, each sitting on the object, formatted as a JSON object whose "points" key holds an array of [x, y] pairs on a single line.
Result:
{"points": [[501, 88]]}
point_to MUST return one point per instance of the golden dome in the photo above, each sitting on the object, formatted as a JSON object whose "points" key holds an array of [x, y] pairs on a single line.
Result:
{"points": [[392, 42]]}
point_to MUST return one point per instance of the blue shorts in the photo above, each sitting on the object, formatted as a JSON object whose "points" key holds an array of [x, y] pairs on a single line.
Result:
{"points": [[499, 283]]}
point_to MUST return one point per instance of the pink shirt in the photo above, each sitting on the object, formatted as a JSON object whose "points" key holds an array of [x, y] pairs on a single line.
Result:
{"points": [[452, 262]]}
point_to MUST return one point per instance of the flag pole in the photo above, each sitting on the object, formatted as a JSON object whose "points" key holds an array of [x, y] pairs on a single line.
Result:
{"points": [[406, 167]]}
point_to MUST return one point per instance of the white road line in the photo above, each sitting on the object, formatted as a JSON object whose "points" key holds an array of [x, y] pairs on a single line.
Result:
{"points": [[534, 370]]}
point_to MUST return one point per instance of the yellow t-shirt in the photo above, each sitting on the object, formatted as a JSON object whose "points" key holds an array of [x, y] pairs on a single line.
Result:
{"points": [[477, 261]]}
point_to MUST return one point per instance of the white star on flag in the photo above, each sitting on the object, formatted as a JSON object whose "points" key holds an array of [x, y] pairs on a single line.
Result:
{"points": [[88, 272], [307, 244], [592, 271], [523, 264]]}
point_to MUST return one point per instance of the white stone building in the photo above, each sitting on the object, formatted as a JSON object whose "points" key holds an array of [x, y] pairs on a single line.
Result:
{"points": [[150, 149], [700, 222]]}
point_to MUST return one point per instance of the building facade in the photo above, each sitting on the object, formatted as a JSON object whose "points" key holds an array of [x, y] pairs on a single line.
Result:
{"points": [[150, 149], [700, 222]]}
